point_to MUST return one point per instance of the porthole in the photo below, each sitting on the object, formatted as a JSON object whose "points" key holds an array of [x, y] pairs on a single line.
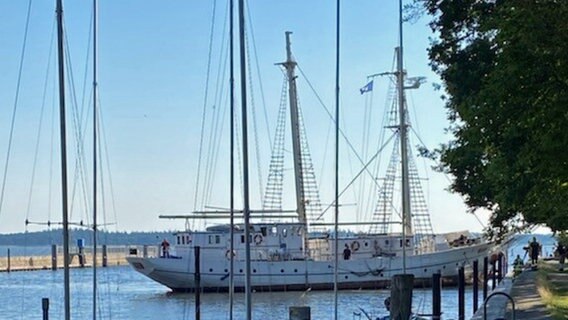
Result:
{"points": [[366, 244], [295, 270], [254, 270], [241, 270], [226, 270], [346, 277], [210, 270], [282, 270]]}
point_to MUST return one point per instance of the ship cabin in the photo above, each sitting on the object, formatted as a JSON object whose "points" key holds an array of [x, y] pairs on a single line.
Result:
{"points": [[268, 241]]}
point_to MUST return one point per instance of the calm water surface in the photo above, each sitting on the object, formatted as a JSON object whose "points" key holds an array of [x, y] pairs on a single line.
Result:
{"points": [[125, 294]]}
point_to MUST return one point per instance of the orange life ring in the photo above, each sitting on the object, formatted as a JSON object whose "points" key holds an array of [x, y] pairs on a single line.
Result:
{"points": [[355, 246], [258, 239], [228, 254]]}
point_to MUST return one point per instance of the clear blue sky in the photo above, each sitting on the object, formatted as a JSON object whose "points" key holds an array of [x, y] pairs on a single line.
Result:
{"points": [[152, 74]]}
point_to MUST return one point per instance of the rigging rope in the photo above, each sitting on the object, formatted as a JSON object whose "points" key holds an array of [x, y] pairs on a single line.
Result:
{"points": [[204, 112], [15, 107], [40, 125], [333, 119]]}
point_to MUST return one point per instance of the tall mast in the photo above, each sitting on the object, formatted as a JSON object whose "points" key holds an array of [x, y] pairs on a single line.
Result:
{"points": [[403, 129], [232, 158], [336, 195], [246, 204], [290, 65], [95, 85], [64, 208]]}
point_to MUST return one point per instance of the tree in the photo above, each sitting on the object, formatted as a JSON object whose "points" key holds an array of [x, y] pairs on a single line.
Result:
{"points": [[504, 66]]}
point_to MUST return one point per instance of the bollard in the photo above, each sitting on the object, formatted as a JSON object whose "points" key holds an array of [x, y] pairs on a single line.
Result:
{"points": [[45, 308], [485, 279], [8, 256], [493, 276], [436, 296], [401, 296], [475, 285], [300, 313], [145, 251], [105, 257], [53, 257], [197, 283], [500, 268], [461, 294]]}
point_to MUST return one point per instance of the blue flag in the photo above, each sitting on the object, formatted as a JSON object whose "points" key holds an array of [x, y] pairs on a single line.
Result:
{"points": [[368, 87]]}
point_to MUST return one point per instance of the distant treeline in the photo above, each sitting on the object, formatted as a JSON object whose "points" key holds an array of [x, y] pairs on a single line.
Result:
{"points": [[55, 236]]}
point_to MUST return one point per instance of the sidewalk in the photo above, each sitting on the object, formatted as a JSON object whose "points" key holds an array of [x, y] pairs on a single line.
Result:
{"points": [[528, 303]]}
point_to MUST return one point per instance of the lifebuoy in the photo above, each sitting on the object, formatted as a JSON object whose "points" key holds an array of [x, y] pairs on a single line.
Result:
{"points": [[258, 239], [228, 254], [355, 246]]}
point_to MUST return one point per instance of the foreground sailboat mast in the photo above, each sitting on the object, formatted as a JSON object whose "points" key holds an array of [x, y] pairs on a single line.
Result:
{"points": [[403, 129], [290, 65], [64, 208], [246, 204], [95, 85]]}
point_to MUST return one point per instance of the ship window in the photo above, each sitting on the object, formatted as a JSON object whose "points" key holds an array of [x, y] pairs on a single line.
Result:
{"points": [[242, 239], [400, 242], [217, 239], [387, 242], [178, 240], [182, 240], [274, 231], [264, 231], [188, 239], [408, 242], [284, 232], [210, 239]]}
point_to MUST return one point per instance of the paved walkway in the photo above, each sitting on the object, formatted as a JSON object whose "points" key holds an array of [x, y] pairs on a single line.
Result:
{"points": [[528, 303]]}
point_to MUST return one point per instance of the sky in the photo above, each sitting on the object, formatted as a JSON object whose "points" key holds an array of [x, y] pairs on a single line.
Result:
{"points": [[152, 70]]}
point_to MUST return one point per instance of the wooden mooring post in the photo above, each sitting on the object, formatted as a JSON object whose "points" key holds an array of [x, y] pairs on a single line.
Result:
{"points": [[300, 313], [401, 296], [485, 278], [461, 293], [500, 267], [493, 275], [105, 256], [197, 252], [45, 308], [475, 285], [8, 267], [53, 257], [437, 296]]}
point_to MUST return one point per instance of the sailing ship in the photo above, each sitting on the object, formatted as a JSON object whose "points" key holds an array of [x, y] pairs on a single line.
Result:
{"points": [[290, 255]]}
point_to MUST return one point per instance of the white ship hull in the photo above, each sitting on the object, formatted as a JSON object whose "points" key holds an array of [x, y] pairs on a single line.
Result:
{"points": [[366, 273]]}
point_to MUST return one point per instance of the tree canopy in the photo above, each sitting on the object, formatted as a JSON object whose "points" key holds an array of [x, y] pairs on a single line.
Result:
{"points": [[504, 68]]}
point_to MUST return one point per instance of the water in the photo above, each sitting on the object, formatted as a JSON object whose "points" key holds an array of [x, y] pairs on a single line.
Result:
{"points": [[126, 294]]}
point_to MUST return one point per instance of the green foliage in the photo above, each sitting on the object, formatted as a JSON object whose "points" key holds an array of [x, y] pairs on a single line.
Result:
{"points": [[504, 65]]}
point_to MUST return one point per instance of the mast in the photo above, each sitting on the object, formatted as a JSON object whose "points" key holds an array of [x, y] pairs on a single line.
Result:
{"points": [[403, 129], [290, 64], [336, 198], [64, 208], [95, 85], [246, 204], [232, 158]]}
